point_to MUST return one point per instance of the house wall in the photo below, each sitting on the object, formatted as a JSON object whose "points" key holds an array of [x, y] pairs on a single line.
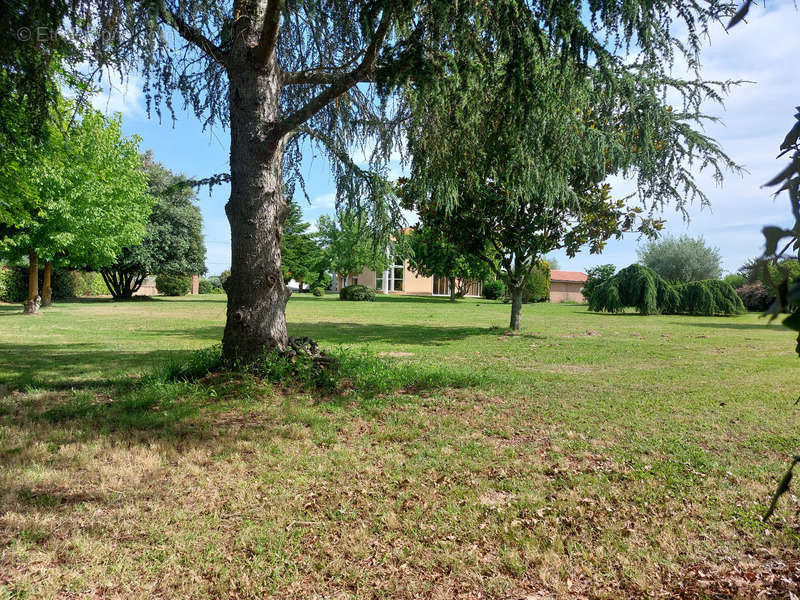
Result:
{"points": [[414, 285], [566, 291]]}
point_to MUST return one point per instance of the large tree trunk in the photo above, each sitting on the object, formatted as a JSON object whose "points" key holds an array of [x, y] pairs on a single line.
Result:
{"points": [[452, 282], [47, 284], [32, 303], [122, 284], [256, 211], [516, 307]]}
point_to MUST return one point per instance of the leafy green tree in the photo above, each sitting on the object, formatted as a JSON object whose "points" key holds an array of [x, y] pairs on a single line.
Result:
{"points": [[596, 276], [90, 199], [302, 259], [284, 73], [682, 259], [351, 245], [429, 254], [173, 243], [514, 146]]}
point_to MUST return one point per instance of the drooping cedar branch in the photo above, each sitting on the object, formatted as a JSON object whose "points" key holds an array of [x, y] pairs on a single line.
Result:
{"points": [[191, 34], [362, 72]]}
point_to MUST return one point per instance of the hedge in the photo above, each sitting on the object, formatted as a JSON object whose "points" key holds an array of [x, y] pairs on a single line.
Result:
{"points": [[357, 293], [642, 288], [14, 284], [174, 285]]}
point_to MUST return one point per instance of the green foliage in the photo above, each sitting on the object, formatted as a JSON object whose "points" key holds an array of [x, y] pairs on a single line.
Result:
{"points": [[89, 283], [205, 287], [709, 298], [351, 244], [173, 243], [302, 259], [596, 277], [429, 254], [14, 283], [537, 285], [635, 286], [493, 289], [644, 289], [357, 293], [736, 280], [318, 291], [682, 259], [89, 193], [174, 285], [755, 296]]}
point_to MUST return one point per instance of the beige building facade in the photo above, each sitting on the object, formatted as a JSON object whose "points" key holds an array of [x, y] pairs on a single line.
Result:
{"points": [[400, 280], [565, 286]]}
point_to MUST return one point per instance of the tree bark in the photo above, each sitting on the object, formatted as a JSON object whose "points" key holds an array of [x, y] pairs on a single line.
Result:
{"points": [[47, 284], [516, 307], [452, 282], [32, 303], [256, 211]]}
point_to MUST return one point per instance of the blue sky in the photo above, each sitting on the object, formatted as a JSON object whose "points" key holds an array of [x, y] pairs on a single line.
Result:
{"points": [[756, 116]]}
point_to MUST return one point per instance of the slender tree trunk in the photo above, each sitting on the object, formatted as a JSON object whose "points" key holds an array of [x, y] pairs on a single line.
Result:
{"points": [[256, 211], [32, 303], [452, 282], [47, 284], [516, 307]]}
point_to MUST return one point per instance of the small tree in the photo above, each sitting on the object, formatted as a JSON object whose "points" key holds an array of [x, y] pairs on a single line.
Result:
{"points": [[681, 259], [173, 243], [429, 254], [89, 198], [302, 259], [352, 245], [596, 276]]}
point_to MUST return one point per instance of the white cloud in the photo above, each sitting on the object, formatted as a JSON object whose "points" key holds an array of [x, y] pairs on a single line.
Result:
{"points": [[119, 94]]}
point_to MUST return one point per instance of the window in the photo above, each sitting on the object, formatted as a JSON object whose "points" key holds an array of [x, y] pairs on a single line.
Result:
{"points": [[396, 275], [379, 281]]}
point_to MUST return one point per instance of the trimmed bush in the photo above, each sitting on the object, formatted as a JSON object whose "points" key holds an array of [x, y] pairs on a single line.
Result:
{"points": [[318, 291], [357, 293], [537, 288], [14, 284], [709, 297], [492, 290], [755, 296], [635, 286], [205, 287], [174, 285]]}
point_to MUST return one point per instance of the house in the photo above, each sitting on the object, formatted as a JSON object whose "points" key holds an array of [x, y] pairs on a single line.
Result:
{"points": [[565, 286], [398, 279]]}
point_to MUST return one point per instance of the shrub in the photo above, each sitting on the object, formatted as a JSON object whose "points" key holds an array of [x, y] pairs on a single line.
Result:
{"points": [[174, 285], [492, 290], [709, 298], [736, 280], [318, 291], [357, 293], [205, 287], [638, 287], [755, 296], [12, 288], [537, 287], [14, 283], [596, 277]]}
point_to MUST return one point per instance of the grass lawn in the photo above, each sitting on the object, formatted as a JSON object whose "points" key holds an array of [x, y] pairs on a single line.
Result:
{"points": [[591, 456]]}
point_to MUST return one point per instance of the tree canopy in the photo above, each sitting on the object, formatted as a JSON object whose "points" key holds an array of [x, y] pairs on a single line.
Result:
{"points": [[351, 245], [173, 242], [681, 259], [282, 74], [302, 258]]}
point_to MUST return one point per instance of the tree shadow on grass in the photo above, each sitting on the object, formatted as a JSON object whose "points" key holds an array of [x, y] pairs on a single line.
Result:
{"points": [[74, 366], [337, 334], [721, 323]]}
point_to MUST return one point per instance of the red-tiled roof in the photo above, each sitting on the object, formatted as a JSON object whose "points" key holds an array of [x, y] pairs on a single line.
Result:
{"points": [[568, 276]]}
